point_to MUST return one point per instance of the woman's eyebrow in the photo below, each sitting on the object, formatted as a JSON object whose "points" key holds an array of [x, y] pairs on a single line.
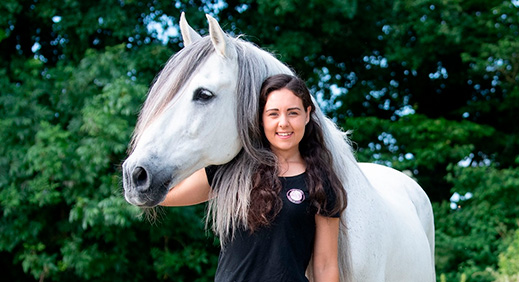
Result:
{"points": [[289, 109]]}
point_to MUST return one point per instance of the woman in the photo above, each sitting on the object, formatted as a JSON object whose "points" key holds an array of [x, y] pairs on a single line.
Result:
{"points": [[293, 199]]}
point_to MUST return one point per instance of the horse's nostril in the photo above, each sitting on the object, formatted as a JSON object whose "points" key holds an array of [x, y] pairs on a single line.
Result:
{"points": [[140, 179]]}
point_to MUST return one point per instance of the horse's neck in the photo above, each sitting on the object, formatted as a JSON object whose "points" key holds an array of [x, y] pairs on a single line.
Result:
{"points": [[357, 181], [359, 186]]}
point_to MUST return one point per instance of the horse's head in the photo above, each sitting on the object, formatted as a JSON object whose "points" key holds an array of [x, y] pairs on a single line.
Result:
{"points": [[180, 127], [190, 118]]}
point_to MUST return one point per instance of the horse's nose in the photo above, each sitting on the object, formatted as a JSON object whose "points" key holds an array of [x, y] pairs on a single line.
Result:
{"points": [[141, 179]]}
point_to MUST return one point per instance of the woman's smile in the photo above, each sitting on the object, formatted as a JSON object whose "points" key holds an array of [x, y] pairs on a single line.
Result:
{"points": [[284, 134]]}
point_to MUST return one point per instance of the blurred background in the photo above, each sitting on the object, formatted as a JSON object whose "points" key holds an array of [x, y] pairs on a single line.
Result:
{"points": [[429, 87]]}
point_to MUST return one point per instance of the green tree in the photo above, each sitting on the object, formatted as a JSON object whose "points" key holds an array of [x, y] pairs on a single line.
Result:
{"points": [[74, 75], [509, 261], [471, 237]]}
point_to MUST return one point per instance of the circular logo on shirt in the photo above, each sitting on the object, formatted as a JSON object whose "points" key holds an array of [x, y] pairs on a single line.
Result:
{"points": [[296, 196]]}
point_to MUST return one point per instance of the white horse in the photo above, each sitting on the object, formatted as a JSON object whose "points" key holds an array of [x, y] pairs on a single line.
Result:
{"points": [[198, 113]]}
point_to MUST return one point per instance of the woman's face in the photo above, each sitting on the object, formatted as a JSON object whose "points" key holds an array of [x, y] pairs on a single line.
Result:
{"points": [[284, 120]]}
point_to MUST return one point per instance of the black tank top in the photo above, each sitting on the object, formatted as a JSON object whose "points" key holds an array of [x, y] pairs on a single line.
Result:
{"points": [[279, 252]]}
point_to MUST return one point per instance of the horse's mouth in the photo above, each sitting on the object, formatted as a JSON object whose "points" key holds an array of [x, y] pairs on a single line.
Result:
{"points": [[149, 198]]}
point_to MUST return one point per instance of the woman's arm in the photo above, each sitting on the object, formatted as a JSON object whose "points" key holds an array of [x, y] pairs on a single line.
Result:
{"points": [[191, 191], [325, 261]]}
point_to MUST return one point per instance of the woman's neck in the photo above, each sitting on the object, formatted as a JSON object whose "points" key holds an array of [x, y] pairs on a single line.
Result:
{"points": [[291, 165]]}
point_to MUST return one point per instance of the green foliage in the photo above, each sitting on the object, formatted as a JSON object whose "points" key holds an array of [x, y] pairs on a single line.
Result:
{"points": [[470, 238], [66, 120], [509, 259]]}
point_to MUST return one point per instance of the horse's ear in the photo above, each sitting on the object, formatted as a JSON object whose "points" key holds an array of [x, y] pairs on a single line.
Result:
{"points": [[218, 37], [189, 35]]}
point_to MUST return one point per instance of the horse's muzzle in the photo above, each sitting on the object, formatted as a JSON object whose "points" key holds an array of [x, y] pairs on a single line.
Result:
{"points": [[143, 187]]}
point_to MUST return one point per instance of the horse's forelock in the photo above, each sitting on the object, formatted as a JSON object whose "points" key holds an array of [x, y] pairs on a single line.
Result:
{"points": [[175, 74]]}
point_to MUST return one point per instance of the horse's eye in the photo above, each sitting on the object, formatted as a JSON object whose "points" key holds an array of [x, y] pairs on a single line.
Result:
{"points": [[202, 95]]}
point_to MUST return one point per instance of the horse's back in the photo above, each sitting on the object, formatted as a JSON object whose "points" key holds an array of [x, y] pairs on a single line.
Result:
{"points": [[412, 232]]}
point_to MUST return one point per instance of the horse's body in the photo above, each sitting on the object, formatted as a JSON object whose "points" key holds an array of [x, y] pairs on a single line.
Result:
{"points": [[197, 114]]}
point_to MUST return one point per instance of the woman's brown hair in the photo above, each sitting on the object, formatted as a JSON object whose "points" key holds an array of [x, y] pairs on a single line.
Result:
{"points": [[265, 202]]}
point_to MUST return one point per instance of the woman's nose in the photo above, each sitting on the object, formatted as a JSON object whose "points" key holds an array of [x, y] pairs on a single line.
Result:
{"points": [[283, 121]]}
